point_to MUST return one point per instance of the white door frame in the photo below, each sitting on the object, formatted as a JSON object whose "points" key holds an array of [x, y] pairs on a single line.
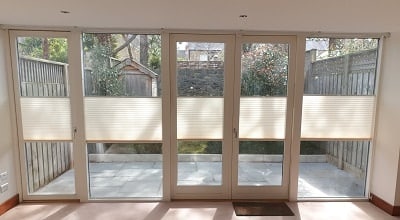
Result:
{"points": [[229, 188], [264, 192], [204, 192], [75, 88]]}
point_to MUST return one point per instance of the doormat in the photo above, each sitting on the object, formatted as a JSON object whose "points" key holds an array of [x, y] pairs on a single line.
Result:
{"points": [[262, 209]]}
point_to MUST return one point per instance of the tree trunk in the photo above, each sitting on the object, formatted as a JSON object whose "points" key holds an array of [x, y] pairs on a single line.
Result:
{"points": [[144, 50], [104, 39], [45, 48]]}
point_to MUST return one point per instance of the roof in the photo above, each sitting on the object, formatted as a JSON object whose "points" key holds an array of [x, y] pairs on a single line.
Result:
{"points": [[129, 64], [205, 46]]}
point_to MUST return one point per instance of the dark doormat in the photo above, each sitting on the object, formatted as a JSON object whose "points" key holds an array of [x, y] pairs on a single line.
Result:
{"points": [[262, 209]]}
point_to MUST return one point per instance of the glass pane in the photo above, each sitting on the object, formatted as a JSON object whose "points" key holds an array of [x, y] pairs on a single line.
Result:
{"points": [[264, 69], [122, 85], [43, 73], [262, 115], [200, 69], [124, 64], [264, 76], [342, 67], [333, 168], [260, 163], [199, 163], [200, 87], [339, 88], [50, 168], [200, 110], [339, 102], [42, 66], [125, 170]]}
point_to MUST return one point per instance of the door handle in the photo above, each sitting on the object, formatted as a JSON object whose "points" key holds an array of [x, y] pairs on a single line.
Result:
{"points": [[74, 131], [235, 133]]}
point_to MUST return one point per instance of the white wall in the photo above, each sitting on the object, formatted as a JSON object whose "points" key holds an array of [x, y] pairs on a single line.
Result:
{"points": [[6, 142], [387, 147]]}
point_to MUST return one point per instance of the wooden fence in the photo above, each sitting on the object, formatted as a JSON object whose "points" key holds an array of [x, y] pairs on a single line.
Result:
{"points": [[40, 77], [353, 75], [45, 161]]}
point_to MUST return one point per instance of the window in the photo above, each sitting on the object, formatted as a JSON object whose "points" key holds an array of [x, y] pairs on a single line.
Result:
{"points": [[122, 105], [338, 109]]}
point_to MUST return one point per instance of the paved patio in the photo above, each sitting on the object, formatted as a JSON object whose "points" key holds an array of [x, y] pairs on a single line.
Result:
{"points": [[144, 179]]}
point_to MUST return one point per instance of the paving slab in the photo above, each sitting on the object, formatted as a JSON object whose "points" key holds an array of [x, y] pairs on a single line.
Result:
{"points": [[144, 179]]}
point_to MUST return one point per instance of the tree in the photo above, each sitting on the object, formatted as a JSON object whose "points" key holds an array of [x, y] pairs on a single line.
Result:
{"points": [[55, 49], [341, 46], [154, 49], [264, 70], [105, 78], [144, 50]]}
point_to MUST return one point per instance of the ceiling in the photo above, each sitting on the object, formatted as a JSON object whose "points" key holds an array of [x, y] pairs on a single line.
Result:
{"points": [[264, 15]]}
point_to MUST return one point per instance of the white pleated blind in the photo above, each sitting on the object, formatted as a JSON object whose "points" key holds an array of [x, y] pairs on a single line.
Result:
{"points": [[200, 118], [337, 116], [262, 117], [108, 119], [46, 118]]}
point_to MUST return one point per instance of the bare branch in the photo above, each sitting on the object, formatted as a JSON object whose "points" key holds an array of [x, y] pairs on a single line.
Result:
{"points": [[127, 43]]}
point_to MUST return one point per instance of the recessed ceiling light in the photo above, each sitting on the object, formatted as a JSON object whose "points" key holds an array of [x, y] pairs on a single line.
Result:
{"points": [[64, 12]]}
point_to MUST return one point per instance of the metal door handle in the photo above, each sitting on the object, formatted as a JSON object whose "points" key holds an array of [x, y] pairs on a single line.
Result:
{"points": [[235, 133]]}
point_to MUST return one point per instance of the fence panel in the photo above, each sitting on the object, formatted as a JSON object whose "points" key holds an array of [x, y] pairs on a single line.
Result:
{"points": [[45, 161], [351, 74]]}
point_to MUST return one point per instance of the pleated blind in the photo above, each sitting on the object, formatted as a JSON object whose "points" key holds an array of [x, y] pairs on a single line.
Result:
{"points": [[108, 119], [337, 116], [262, 117], [46, 118], [200, 118]]}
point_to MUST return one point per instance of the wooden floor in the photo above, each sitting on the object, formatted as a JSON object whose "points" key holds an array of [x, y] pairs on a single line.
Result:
{"points": [[189, 211]]}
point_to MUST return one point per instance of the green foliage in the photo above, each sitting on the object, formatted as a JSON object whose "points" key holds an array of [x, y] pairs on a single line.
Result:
{"points": [[261, 147], [105, 78], [342, 46], [191, 147], [199, 147], [249, 147], [148, 148], [88, 41], [313, 147], [213, 147], [56, 49], [155, 52], [264, 70]]}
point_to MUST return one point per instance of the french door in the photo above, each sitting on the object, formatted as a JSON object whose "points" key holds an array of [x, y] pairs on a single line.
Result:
{"points": [[230, 124], [231, 116], [262, 121], [44, 108]]}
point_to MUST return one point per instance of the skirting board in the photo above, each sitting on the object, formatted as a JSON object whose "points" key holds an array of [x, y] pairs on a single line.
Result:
{"points": [[9, 204], [382, 204]]}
